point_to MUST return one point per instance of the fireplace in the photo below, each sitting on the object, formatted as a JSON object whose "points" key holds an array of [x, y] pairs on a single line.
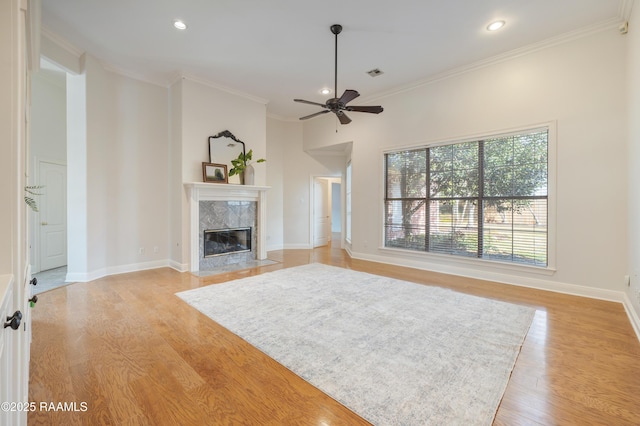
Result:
{"points": [[219, 242], [228, 231], [216, 207]]}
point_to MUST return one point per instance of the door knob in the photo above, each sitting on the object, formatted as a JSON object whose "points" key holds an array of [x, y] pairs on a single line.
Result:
{"points": [[16, 314], [14, 320]]}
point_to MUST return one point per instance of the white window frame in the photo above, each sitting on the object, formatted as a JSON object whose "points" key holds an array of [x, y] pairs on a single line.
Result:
{"points": [[475, 262]]}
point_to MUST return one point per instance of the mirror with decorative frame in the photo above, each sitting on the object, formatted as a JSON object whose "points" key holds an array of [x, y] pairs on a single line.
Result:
{"points": [[223, 148]]}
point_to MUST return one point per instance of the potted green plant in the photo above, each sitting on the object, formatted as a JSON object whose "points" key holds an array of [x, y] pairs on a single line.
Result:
{"points": [[243, 168]]}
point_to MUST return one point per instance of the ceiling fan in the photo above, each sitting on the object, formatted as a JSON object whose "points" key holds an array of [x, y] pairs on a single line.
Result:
{"points": [[338, 106]]}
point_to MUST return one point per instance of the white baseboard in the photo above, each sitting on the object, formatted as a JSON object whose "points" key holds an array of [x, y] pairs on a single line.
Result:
{"points": [[297, 247], [632, 314], [499, 277], [537, 283], [180, 267], [83, 277], [115, 270], [347, 248], [275, 247]]}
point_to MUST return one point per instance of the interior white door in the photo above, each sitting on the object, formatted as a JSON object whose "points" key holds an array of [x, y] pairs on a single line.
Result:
{"points": [[53, 215], [321, 219], [6, 340], [19, 28]]}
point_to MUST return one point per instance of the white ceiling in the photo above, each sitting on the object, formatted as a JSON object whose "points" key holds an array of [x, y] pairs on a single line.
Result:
{"points": [[278, 50]]}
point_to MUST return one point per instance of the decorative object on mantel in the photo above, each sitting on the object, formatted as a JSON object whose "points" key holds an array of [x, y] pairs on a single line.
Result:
{"points": [[223, 148], [243, 168], [215, 173]]}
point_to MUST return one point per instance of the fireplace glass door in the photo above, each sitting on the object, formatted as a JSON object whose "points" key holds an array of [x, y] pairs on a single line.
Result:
{"points": [[219, 242]]}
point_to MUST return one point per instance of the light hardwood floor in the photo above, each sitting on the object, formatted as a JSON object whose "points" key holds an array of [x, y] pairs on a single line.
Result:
{"points": [[137, 354]]}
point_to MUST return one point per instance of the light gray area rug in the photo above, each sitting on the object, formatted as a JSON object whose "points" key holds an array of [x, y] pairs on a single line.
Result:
{"points": [[396, 353]]}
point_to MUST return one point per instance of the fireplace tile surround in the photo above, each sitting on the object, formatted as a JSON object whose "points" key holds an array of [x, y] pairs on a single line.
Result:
{"points": [[225, 214], [216, 206]]}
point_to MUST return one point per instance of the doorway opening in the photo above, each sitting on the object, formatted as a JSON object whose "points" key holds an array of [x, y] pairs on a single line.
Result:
{"points": [[48, 163], [326, 211]]}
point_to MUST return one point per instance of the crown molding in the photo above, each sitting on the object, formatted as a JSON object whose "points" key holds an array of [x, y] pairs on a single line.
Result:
{"points": [[170, 81], [125, 73], [61, 42], [174, 79], [497, 59], [220, 87], [78, 53]]}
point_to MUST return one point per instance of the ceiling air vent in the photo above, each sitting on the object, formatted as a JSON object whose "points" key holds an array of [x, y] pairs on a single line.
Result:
{"points": [[375, 72]]}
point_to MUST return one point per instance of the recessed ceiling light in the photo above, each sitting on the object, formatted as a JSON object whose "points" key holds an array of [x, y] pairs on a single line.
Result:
{"points": [[325, 91], [495, 25], [179, 25]]}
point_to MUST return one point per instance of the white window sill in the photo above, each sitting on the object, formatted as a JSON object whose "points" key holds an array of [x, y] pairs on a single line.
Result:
{"points": [[468, 262]]}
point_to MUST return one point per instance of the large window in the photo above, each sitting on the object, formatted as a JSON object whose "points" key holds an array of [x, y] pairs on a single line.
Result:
{"points": [[483, 199]]}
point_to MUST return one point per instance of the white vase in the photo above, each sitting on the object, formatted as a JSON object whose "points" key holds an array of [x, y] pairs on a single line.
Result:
{"points": [[249, 175]]}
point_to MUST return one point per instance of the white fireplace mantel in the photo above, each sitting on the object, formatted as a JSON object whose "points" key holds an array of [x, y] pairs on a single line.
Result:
{"points": [[201, 191]]}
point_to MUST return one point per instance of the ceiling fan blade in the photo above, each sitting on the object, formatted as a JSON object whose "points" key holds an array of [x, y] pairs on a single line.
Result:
{"points": [[372, 109], [348, 96], [344, 119], [313, 115], [310, 103]]}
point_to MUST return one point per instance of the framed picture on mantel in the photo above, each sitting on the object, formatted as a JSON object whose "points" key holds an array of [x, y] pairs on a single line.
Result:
{"points": [[215, 173]]}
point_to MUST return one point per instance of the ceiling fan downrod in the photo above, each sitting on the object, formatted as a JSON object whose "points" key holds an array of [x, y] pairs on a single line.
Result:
{"points": [[336, 29]]}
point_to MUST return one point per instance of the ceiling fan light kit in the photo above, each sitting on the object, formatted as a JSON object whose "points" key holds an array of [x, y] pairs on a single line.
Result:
{"points": [[338, 106]]}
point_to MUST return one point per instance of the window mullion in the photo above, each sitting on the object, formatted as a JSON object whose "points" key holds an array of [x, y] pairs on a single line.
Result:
{"points": [[480, 197], [427, 207]]}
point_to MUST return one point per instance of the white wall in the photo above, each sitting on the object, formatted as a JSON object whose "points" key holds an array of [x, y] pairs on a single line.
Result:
{"points": [[290, 174], [205, 111], [336, 207], [581, 84], [137, 195], [277, 134], [299, 170], [118, 174], [633, 84], [132, 145], [49, 116], [100, 133], [48, 127], [77, 253], [176, 190]]}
